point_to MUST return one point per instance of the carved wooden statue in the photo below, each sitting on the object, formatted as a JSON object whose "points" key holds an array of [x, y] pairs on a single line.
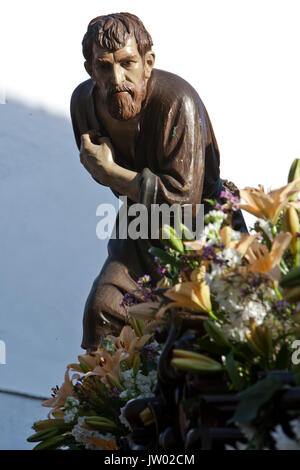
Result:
{"points": [[157, 145]]}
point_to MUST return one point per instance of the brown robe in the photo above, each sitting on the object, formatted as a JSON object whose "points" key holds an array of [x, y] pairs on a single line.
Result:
{"points": [[177, 157]]}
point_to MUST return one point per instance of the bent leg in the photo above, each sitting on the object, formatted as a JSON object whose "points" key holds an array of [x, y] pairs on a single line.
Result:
{"points": [[103, 312]]}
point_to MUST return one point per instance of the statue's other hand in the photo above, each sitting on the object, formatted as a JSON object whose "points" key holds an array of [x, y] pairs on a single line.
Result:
{"points": [[98, 159]]}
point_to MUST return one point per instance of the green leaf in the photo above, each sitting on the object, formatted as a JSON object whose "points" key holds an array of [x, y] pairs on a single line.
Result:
{"points": [[163, 255], [266, 238], [283, 358], [216, 334], [232, 369], [254, 398], [211, 347]]}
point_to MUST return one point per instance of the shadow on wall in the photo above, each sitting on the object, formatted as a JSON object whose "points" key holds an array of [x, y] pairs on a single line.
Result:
{"points": [[49, 250]]}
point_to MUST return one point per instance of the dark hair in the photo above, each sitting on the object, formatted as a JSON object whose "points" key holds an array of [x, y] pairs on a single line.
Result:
{"points": [[112, 31]]}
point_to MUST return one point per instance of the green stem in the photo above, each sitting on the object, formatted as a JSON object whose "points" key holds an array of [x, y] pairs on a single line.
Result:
{"points": [[277, 292], [212, 316], [283, 267], [297, 259]]}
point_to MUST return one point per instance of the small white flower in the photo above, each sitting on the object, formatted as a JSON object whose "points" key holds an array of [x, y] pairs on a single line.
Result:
{"points": [[282, 441], [266, 227], [239, 446], [71, 402], [235, 235], [70, 415], [230, 256], [128, 378], [247, 430], [82, 435], [295, 425], [215, 216]]}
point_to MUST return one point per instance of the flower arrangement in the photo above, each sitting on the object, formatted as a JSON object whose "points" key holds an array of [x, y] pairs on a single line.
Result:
{"points": [[86, 411], [243, 288]]}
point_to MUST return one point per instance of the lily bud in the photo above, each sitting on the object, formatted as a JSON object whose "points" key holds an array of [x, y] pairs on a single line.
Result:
{"points": [[294, 173], [136, 364], [293, 221], [170, 237], [197, 365], [293, 228], [163, 283], [260, 339], [114, 382]]}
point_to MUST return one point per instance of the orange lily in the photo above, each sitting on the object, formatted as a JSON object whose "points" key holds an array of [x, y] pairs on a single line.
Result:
{"points": [[241, 245], [104, 444], [263, 261], [194, 245], [65, 391], [90, 360], [110, 364], [192, 295], [267, 205], [198, 274], [130, 342]]}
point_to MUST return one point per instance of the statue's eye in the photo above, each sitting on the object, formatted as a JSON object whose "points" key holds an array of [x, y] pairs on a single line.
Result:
{"points": [[103, 65], [127, 63]]}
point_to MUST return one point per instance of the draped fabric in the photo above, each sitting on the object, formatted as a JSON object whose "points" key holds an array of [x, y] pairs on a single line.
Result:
{"points": [[177, 158]]}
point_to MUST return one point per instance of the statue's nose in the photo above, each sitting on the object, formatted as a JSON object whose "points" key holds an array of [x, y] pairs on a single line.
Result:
{"points": [[117, 75]]}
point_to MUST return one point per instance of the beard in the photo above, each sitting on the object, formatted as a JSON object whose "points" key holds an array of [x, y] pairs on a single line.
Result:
{"points": [[125, 102]]}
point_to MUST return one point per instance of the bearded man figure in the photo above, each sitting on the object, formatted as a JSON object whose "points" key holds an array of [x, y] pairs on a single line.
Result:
{"points": [[146, 134]]}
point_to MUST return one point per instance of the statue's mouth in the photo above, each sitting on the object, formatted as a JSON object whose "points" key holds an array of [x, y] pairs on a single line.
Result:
{"points": [[121, 90]]}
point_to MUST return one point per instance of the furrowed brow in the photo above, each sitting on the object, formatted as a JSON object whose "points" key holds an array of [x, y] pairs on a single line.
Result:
{"points": [[127, 57]]}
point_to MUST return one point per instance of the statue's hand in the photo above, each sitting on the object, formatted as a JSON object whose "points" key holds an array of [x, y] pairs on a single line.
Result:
{"points": [[98, 159]]}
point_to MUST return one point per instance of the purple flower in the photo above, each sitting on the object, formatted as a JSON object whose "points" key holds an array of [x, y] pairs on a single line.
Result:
{"points": [[114, 392], [244, 292], [209, 252], [129, 299], [86, 405], [161, 270], [150, 352], [232, 201], [255, 281], [280, 307], [224, 195]]}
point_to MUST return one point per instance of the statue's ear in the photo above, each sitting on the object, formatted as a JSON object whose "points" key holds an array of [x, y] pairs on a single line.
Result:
{"points": [[149, 60], [88, 68]]}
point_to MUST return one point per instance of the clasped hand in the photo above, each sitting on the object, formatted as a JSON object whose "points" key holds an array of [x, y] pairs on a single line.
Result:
{"points": [[98, 159]]}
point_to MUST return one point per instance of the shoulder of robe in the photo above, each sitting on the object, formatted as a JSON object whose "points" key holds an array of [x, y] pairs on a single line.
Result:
{"points": [[169, 88], [81, 93]]}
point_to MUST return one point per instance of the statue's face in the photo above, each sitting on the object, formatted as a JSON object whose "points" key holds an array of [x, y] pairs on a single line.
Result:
{"points": [[121, 78]]}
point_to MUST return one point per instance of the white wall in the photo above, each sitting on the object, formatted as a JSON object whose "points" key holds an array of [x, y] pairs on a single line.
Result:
{"points": [[17, 416], [242, 57]]}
